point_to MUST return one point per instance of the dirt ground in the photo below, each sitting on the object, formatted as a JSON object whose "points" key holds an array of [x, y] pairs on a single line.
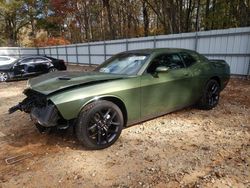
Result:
{"points": [[188, 148]]}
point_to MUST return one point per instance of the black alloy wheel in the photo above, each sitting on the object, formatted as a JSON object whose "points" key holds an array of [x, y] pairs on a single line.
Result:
{"points": [[211, 95], [99, 125]]}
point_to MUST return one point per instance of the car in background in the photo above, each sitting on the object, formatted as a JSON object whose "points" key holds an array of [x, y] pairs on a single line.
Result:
{"points": [[6, 60], [25, 67]]}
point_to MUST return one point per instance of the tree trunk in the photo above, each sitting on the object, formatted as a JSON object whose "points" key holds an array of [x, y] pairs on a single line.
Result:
{"points": [[180, 16], [197, 20], [145, 19], [207, 15], [213, 12], [188, 15], [106, 4]]}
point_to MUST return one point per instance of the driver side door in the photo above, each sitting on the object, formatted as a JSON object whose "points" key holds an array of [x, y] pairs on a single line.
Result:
{"points": [[167, 91]]}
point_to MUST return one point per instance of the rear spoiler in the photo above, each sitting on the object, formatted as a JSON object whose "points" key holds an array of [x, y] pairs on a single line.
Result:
{"points": [[217, 60]]}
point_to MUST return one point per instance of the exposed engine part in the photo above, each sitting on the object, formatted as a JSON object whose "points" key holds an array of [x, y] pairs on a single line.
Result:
{"points": [[42, 111], [33, 99]]}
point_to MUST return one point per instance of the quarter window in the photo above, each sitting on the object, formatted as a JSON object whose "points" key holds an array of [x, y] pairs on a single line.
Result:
{"points": [[188, 59], [39, 60]]}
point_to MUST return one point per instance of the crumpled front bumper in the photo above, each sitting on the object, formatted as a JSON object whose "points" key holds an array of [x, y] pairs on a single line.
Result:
{"points": [[41, 111]]}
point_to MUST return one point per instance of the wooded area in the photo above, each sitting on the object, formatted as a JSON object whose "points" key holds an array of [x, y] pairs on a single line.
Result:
{"points": [[52, 22]]}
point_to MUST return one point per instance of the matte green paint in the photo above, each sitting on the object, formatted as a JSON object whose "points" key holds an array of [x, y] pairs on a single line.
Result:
{"points": [[144, 95]]}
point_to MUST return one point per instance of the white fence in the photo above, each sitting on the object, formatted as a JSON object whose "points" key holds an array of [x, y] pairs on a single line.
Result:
{"points": [[17, 51], [232, 45]]}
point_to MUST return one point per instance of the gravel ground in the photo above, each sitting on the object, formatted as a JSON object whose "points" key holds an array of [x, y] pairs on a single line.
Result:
{"points": [[187, 148]]}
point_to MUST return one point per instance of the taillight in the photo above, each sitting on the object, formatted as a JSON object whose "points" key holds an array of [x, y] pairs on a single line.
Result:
{"points": [[62, 61]]}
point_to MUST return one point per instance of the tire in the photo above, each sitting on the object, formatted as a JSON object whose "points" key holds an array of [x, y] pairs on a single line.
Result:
{"points": [[53, 69], [211, 95], [41, 128], [99, 124], [4, 76]]}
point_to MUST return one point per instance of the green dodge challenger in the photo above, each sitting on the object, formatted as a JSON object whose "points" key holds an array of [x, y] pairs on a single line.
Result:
{"points": [[128, 88]]}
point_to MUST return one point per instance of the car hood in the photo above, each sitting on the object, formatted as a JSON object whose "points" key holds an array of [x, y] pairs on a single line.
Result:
{"points": [[57, 81]]}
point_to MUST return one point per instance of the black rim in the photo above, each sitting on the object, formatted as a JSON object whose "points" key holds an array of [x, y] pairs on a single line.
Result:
{"points": [[213, 94], [103, 126]]}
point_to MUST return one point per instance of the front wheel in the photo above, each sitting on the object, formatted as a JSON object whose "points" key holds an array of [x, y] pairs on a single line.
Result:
{"points": [[99, 124], [211, 95], [4, 76]]}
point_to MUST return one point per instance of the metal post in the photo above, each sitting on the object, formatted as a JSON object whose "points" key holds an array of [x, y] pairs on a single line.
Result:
{"points": [[154, 41], [196, 41], [50, 51], [57, 55], [126, 44], [89, 52], [248, 71], [19, 52], [37, 51], [77, 59], [66, 53], [105, 51]]}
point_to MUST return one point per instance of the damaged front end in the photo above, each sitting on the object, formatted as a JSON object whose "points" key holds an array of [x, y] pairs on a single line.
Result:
{"points": [[41, 110]]}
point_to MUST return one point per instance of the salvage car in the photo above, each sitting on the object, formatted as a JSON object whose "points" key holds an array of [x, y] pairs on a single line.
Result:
{"points": [[128, 88], [30, 66]]}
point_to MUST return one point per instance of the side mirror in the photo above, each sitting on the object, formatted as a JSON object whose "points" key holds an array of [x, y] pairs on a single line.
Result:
{"points": [[161, 69]]}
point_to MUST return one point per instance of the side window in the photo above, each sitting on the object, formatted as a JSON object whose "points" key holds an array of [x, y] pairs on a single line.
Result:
{"points": [[27, 61], [175, 62], [188, 59], [40, 60], [199, 58], [172, 61]]}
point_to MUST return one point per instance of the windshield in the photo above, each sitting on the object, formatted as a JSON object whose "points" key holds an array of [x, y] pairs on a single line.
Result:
{"points": [[127, 63]]}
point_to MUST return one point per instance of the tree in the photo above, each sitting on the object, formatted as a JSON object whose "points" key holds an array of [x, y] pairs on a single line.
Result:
{"points": [[14, 18], [145, 18], [92, 20]]}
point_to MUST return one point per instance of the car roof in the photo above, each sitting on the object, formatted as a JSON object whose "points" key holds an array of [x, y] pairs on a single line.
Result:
{"points": [[158, 50], [35, 56], [7, 56]]}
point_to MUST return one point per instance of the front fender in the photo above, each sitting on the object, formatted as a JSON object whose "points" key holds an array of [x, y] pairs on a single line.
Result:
{"points": [[70, 110], [70, 102]]}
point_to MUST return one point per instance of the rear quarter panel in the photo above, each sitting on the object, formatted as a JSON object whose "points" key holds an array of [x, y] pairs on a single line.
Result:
{"points": [[205, 70], [222, 70]]}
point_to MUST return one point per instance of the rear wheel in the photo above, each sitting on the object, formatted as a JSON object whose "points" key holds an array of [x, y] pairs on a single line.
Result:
{"points": [[99, 124], [52, 69], [211, 95], [4, 76]]}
